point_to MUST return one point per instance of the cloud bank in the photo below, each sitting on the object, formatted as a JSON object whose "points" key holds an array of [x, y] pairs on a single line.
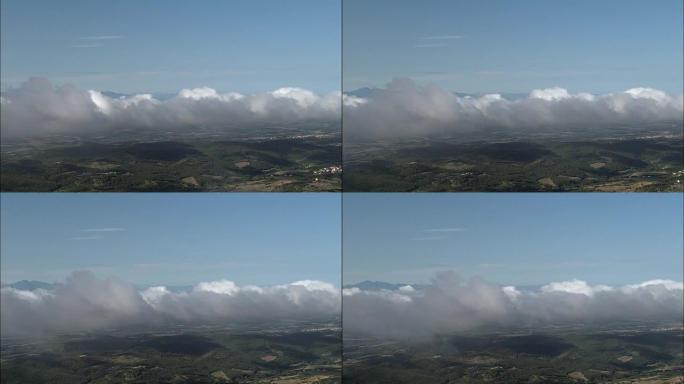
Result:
{"points": [[404, 108], [451, 304], [85, 302], [39, 108]]}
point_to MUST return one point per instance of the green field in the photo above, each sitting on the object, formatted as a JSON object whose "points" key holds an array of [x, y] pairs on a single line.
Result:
{"points": [[621, 356], [289, 354], [287, 163], [608, 165]]}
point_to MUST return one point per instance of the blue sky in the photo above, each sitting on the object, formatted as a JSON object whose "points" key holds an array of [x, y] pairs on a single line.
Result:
{"points": [[166, 45], [172, 239], [515, 46], [520, 239]]}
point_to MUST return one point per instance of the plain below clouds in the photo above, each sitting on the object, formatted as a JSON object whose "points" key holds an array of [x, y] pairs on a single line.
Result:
{"points": [[405, 108], [38, 108]]}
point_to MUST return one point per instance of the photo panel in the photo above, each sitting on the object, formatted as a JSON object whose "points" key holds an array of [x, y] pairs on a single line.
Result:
{"points": [[530, 95], [506, 288], [164, 96], [170, 288], [373, 285]]}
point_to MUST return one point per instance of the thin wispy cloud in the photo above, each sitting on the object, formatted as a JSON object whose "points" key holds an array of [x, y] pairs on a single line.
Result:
{"points": [[101, 37], [437, 234], [437, 41], [87, 46], [90, 234], [449, 229], [490, 73], [430, 238], [106, 229], [87, 238], [433, 45], [444, 37], [90, 42]]}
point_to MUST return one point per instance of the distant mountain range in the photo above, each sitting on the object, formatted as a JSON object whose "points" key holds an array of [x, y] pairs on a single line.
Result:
{"points": [[367, 92], [117, 95], [380, 285], [32, 285]]}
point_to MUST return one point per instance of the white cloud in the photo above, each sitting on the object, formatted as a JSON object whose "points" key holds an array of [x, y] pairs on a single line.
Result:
{"points": [[38, 108], [452, 304], [347, 101], [208, 93], [407, 289], [649, 93], [669, 285], [316, 285], [30, 296], [351, 291], [575, 286], [224, 287], [512, 292], [153, 295], [302, 97], [404, 108], [85, 302], [549, 94]]}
